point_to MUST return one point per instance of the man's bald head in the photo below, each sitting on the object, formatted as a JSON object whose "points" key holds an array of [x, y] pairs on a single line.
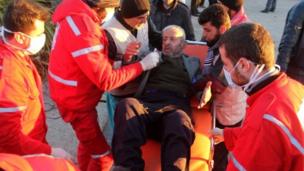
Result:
{"points": [[174, 40]]}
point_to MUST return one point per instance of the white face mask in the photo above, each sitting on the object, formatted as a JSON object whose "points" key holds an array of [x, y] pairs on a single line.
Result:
{"points": [[35, 45], [255, 76], [227, 75]]}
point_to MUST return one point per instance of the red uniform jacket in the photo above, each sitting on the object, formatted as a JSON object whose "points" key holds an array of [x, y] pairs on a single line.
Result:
{"points": [[272, 135], [79, 69], [22, 118]]}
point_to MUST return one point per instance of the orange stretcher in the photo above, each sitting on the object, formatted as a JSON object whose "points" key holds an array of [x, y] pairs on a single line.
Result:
{"points": [[201, 154]]}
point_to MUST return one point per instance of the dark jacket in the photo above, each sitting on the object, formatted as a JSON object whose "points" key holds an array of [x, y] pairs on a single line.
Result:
{"points": [[291, 48], [178, 14]]}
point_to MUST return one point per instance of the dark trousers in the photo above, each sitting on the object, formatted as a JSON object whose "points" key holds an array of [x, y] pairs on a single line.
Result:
{"points": [[136, 120], [271, 5], [220, 156]]}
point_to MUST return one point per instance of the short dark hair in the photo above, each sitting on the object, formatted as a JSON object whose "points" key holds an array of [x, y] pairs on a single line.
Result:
{"points": [[251, 41], [20, 15], [235, 5], [216, 14]]}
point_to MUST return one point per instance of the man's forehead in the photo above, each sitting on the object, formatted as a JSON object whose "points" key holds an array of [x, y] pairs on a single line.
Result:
{"points": [[172, 33]]}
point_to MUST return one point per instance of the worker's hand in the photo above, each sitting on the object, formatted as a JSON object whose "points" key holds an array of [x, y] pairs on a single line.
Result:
{"points": [[131, 50], [206, 95], [61, 153], [150, 61], [101, 162], [218, 135]]}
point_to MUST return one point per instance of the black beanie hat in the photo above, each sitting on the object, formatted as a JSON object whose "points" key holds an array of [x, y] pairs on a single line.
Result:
{"points": [[235, 5], [134, 8]]}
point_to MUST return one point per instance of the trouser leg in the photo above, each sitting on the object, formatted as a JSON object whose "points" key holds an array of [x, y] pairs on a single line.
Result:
{"points": [[178, 136], [273, 5], [131, 119], [91, 139], [194, 5]]}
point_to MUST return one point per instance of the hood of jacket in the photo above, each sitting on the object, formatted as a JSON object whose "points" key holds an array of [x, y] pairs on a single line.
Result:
{"points": [[73, 7]]}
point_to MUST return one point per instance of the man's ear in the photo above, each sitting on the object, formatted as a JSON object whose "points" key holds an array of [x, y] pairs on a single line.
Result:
{"points": [[222, 29], [244, 65]]}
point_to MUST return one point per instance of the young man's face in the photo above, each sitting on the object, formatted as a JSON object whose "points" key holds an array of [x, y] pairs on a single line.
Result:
{"points": [[239, 77], [173, 43], [211, 34], [138, 22]]}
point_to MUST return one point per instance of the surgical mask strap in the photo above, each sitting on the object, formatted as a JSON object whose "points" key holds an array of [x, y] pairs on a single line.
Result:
{"points": [[255, 74]]}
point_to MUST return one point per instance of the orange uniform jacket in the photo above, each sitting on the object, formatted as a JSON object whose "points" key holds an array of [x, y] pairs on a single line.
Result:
{"points": [[39, 162], [272, 135], [22, 118], [80, 70]]}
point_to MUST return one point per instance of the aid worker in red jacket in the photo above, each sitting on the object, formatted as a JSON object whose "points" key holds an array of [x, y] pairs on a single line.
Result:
{"points": [[34, 162], [272, 134], [80, 71], [22, 117]]}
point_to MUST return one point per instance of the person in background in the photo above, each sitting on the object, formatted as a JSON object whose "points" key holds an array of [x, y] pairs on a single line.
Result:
{"points": [[291, 48], [172, 12], [131, 35], [80, 71], [270, 6], [236, 11], [22, 117], [194, 5], [271, 136], [229, 102]]}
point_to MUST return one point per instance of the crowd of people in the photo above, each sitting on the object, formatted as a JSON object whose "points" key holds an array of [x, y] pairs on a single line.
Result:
{"points": [[133, 50]]}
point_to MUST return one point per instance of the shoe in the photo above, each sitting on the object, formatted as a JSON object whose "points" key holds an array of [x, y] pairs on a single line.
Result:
{"points": [[265, 11], [272, 10]]}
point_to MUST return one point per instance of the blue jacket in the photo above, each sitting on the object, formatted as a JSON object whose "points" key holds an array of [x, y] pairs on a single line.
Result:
{"points": [[291, 48]]}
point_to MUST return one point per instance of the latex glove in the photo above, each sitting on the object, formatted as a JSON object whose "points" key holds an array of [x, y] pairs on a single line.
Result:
{"points": [[61, 153], [206, 95], [150, 61], [131, 50], [218, 135]]}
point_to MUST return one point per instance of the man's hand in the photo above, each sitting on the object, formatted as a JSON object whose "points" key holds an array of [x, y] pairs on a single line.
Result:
{"points": [[150, 61], [218, 135], [131, 50], [206, 95]]}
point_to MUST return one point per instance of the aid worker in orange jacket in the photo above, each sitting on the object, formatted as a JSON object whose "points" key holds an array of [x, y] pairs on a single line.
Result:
{"points": [[80, 71], [272, 134], [22, 117], [35, 162]]}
